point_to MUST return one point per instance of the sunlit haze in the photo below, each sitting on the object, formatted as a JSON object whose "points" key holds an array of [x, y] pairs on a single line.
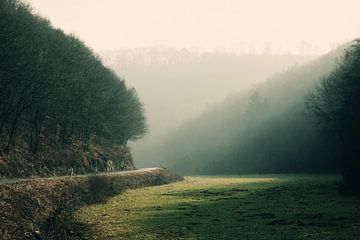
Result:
{"points": [[180, 119], [297, 26]]}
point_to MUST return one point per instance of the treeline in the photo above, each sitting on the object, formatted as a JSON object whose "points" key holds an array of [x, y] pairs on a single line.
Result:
{"points": [[164, 76], [303, 120], [55, 91], [335, 101], [264, 130]]}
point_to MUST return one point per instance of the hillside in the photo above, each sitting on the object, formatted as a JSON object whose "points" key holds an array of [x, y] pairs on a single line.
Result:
{"points": [[264, 129], [60, 107], [178, 84]]}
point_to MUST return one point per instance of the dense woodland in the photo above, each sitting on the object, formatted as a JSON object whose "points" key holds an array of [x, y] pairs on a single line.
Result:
{"points": [[302, 120], [61, 108], [266, 129], [335, 101], [178, 84], [56, 95]]}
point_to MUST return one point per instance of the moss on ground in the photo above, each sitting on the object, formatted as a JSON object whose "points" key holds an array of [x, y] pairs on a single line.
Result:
{"points": [[234, 207]]}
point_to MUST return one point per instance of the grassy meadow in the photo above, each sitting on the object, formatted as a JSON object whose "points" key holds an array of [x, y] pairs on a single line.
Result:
{"points": [[229, 207]]}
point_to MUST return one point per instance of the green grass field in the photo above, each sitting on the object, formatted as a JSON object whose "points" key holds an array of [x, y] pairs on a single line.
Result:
{"points": [[229, 207]]}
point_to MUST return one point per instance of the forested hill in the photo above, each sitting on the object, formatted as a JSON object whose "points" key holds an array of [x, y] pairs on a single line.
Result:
{"points": [[266, 129], [60, 107], [178, 84]]}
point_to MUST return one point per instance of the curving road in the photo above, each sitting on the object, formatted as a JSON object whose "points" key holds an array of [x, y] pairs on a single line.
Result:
{"points": [[17, 180]]}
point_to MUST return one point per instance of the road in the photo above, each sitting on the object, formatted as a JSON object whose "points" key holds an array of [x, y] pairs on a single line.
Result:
{"points": [[17, 180]]}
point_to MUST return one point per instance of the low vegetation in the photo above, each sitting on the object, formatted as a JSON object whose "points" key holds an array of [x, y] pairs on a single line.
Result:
{"points": [[229, 207], [44, 208]]}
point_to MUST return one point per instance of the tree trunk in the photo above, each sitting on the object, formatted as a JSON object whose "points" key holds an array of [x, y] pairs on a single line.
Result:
{"points": [[13, 130]]}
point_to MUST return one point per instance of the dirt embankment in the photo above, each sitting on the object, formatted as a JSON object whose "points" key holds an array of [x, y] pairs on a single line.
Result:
{"points": [[58, 160], [43, 208]]}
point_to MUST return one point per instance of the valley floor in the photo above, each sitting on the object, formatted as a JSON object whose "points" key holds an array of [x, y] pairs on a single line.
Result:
{"points": [[229, 207]]}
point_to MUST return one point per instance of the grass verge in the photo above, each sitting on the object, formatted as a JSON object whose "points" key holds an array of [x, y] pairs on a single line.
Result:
{"points": [[44, 208], [229, 207]]}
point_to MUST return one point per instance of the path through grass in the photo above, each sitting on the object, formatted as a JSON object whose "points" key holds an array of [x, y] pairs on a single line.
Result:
{"points": [[234, 207]]}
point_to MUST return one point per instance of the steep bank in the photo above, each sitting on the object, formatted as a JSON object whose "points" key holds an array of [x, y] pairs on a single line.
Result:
{"points": [[43, 208], [57, 161]]}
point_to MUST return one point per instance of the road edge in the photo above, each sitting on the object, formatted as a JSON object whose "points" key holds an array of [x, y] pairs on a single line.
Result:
{"points": [[43, 208]]}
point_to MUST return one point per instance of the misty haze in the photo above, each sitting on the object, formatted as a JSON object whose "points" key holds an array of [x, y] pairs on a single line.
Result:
{"points": [[170, 119]]}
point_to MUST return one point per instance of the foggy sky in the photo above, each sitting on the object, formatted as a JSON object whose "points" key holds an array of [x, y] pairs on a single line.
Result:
{"points": [[228, 25]]}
